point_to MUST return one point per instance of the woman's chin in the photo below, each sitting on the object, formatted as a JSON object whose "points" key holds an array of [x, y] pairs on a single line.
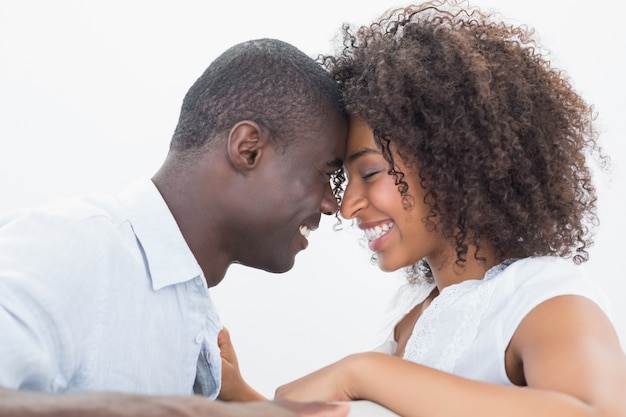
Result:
{"points": [[388, 266]]}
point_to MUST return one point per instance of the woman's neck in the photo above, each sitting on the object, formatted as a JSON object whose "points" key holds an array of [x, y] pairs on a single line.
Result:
{"points": [[450, 272]]}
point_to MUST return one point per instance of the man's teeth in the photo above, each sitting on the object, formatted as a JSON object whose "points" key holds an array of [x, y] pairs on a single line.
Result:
{"points": [[376, 232], [305, 231]]}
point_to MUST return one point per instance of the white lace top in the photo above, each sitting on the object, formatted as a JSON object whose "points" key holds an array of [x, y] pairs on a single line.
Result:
{"points": [[467, 327]]}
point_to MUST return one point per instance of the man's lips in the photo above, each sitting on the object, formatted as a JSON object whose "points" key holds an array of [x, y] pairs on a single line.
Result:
{"points": [[306, 229]]}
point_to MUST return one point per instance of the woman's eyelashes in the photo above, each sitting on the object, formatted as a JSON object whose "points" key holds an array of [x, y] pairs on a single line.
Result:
{"points": [[369, 174], [363, 174], [370, 170]]}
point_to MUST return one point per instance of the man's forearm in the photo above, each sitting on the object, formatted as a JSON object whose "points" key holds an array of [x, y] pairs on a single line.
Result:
{"points": [[28, 404]]}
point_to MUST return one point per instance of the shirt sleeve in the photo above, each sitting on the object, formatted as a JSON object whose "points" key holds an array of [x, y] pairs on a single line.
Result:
{"points": [[536, 280], [406, 297], [25, 360], [36, 348]]}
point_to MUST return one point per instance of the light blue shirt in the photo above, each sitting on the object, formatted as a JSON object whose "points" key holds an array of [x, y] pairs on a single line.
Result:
{"points": [[101, 293]]}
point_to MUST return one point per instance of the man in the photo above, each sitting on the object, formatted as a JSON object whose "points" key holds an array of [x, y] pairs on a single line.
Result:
{"points": [[111, 293]]}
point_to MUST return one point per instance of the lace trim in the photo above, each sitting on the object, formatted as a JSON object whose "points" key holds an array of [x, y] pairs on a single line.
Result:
{"points": [[450, 324]]}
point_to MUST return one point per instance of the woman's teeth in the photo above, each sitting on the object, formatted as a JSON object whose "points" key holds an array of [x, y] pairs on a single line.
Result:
{"points": [[376, 232], [305, 231]]}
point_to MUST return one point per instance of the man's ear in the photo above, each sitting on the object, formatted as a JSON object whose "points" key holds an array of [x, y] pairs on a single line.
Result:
{"points": [[246, 144]]}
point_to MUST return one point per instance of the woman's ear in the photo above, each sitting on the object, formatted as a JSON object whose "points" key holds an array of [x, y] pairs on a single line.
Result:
{"points": [[245, 146]]}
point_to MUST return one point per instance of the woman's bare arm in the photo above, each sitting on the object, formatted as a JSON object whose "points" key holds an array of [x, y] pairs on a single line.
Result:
{"points": [[571, 358]]}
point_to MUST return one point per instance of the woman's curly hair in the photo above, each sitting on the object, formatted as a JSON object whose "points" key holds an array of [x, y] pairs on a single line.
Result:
{"points": [[500, 138]]}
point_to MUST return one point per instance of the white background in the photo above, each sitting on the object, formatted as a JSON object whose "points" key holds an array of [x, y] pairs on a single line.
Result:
{"points": [[90, 94]]}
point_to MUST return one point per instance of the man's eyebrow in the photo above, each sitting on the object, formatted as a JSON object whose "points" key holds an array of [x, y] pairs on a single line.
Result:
{"points": [[361, 153], [335, 164]]}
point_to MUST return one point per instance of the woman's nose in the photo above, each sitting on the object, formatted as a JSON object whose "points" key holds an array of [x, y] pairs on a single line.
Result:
{"points": [[352, 202]]}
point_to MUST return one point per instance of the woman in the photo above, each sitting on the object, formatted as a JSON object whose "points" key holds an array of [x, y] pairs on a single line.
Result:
{"points": [[467, 165]]}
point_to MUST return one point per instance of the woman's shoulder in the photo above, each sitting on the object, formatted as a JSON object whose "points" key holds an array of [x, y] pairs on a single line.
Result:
{"points": [[545, 272], [528, 282]]}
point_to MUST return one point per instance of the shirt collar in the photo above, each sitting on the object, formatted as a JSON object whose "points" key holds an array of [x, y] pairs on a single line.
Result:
{"points": [[168, 257]]}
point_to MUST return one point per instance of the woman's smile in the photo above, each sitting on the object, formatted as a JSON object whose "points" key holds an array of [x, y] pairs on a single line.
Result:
{"points": [[377, 234]]}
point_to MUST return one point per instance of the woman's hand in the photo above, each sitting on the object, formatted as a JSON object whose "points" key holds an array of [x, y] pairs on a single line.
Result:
{"points": [[234, 387], [331, 383]]}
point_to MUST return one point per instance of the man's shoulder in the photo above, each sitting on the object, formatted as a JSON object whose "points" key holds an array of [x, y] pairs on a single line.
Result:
{"points": [[66, 229], [67, 211]]}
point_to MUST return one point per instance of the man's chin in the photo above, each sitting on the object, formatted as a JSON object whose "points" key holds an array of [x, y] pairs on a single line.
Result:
{"points": [[276, 267]]}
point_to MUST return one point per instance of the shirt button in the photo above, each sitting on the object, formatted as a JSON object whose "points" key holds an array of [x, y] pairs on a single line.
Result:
{"points": [[199, 338], [198, 281], [208, 357]]}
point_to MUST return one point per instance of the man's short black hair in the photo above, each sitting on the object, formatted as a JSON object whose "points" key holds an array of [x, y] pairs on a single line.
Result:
{"points": [[267, 81]]}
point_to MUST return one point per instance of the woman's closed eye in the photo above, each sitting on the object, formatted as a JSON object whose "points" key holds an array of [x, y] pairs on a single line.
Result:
{"points": [[369, 174]]}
